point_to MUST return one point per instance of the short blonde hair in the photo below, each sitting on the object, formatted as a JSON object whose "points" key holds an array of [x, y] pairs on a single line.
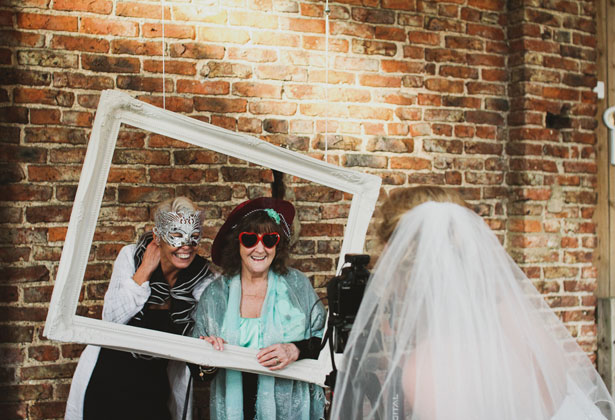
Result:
{"points": [[175, 205], [403, 200]]}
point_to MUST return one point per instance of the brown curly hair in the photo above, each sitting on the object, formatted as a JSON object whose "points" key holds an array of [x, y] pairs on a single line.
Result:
{"points": [[258, 222], [403, 200]]}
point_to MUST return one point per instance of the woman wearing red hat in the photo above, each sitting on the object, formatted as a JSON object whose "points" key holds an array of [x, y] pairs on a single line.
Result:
{"points": [[261, 303]]}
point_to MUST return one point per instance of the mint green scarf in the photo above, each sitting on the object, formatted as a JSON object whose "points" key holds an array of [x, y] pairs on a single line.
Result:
{"points": [[280, 322]]}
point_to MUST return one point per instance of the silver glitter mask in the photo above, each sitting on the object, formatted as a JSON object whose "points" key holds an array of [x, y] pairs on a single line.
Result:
{"points": [[179, 228]]}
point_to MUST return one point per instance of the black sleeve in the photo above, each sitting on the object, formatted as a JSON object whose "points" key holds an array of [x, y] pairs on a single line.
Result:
{"points": [[309, 348]]}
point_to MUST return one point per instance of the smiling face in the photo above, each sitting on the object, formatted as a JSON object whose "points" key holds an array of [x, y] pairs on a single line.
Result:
{"points": [[176, 257], [256, 261]]}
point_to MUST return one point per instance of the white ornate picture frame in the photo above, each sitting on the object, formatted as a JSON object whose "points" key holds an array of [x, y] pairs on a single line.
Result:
{"points": [[116, 108]]}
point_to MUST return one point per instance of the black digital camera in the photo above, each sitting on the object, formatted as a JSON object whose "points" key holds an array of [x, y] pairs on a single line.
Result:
{"points": [[345, 293]]}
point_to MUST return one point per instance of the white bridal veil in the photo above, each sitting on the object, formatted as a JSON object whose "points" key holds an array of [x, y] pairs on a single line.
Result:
{"points": [[451, 329]]}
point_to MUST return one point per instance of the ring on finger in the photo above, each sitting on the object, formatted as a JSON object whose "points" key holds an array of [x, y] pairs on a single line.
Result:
{"points": [[277, 361]]}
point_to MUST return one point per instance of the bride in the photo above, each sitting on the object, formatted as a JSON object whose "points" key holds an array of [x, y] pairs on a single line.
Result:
{"points": [[451, 329]]}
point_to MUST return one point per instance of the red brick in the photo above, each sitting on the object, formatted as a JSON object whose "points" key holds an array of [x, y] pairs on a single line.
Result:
{"points": [[136, 47], [154, 30], [484, 117], [11, 254], [225, 69], [45, 116], [126, 176], [280, 72], [43, 96], [148, 84], [494, 75], [78, 119], [465, 43], [260, 90], [459, 72], [171, 67], [140, 10], [389, 33], [55, 135], [151, 157], [397, 4], [221, 105], [43, 354], [94, 6], [395, 66], [302, 25], [6, 18], [533, 165], [82, 81], [524, 225], [177, 175], [57, 234], [32, 273], [114, 234], [420, 129], [410, 163], [442, 130], [172, 103], [275, 126], [196, 50], [484, 31], [374, 128], [276, 108], [80, 43], [13, 76], [67, 155], [369, 47], [429, 99], [380, 81], [351, 29], [461, 102], [14, 114], [475, 88], [249, 125], [395, 99], [203, 88], [48, 22], [115, 27], [17, 38], [88, 101], [313, 10], [426, 38], [107, 64]]}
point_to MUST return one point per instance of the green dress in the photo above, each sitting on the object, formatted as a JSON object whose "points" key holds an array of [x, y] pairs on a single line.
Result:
{"points": [[291, 312]]}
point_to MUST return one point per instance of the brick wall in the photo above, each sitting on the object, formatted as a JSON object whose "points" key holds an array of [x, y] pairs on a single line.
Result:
{"points": [[489, 97]]}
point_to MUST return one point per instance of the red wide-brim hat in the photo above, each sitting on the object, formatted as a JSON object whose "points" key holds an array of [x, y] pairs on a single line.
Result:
{"points": [[283, 207]]}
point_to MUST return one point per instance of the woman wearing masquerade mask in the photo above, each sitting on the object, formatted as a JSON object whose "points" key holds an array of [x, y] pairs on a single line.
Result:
{"points": [[261, 303], [155, 284], [451, 328]]}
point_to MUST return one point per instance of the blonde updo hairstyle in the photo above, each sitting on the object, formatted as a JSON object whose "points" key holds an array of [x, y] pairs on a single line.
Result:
{"points": [[402, 200], [175, 205]]}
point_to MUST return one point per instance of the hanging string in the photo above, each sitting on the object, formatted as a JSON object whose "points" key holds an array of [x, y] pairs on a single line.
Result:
{"points": [[327, 11], [164, 99]]}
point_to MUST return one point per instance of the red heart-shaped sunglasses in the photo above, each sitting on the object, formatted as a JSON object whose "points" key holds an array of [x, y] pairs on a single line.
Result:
{"points": [[251, 239]]}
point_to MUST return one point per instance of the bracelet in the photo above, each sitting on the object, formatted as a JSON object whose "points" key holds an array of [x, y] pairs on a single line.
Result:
{"points": [[207, 370]]}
